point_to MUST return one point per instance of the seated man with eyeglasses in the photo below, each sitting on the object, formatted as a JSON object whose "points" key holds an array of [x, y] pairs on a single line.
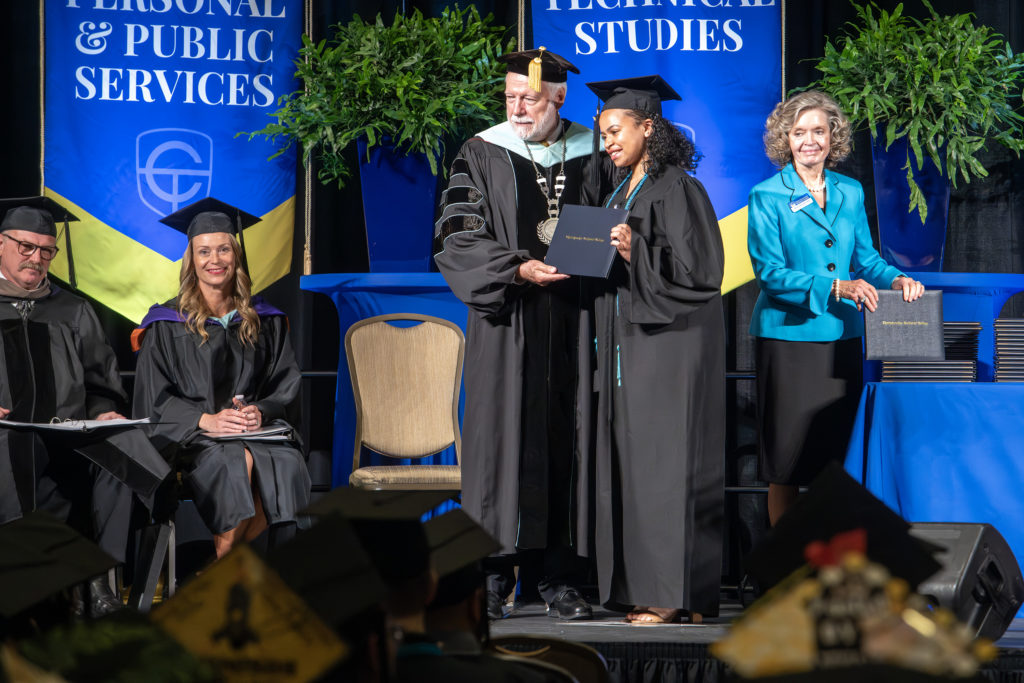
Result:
{"points": [[56, 363]]}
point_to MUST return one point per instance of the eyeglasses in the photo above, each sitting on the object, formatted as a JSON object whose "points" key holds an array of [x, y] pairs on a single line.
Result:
{"points": [[27, 249]]}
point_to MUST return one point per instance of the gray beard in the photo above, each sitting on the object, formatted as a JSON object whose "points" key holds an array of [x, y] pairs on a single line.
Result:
{"points": [[548, 122]]}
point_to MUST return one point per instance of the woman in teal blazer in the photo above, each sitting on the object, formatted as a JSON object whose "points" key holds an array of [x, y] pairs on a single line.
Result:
{"points": [[807, 230]]}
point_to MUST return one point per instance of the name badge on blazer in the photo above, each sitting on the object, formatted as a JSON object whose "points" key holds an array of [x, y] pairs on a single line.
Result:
{"points": [[800, 202]]}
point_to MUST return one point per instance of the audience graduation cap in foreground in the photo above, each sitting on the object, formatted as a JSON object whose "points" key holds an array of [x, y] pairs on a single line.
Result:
{"points": [[242, 617], [327, 566], [354, 503], [387, 524], [457, 545], [40, 556], [835, 503], [456, 541]]}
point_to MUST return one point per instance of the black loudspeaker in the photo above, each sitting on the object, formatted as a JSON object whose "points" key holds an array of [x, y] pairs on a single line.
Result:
{"points": [[980, 580]]}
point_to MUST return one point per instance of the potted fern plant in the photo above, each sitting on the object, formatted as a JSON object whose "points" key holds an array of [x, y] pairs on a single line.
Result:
{"points": [[933, 93], [398, 91]]}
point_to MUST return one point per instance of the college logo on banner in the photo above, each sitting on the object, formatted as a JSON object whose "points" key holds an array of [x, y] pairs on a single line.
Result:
{"points": [[173, 167], [144, 101], [724, 57]]}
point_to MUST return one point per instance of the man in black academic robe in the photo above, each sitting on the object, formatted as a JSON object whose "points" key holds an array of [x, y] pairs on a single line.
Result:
{"points": [[520, 465], [55, 363]]}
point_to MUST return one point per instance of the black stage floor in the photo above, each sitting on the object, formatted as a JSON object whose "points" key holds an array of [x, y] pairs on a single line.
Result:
{"points": [[678, 652]]}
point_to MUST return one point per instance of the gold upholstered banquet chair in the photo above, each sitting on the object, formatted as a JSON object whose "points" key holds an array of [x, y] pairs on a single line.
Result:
{"points": [[406, 384]]}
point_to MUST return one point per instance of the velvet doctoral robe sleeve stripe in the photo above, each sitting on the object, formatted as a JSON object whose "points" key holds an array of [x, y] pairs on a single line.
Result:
{"points": [[478, 260], [677, 258]]}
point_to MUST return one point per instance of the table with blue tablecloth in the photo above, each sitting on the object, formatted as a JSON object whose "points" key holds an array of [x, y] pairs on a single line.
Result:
{"points": [[944, 452]]}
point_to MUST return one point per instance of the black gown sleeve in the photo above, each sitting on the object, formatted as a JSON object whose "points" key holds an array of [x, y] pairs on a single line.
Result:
{"points": [[478, 267], [679, 266], [158, 391], [282, 380], [104, 391]]}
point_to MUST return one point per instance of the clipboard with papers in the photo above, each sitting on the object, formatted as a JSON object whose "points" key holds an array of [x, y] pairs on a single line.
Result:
{"points": [[275, 433], [57, 425]]}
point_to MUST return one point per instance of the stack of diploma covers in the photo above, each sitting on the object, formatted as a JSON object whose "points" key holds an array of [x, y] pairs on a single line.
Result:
{"points": [[915, 345], [1009, 350], [581, 244]]}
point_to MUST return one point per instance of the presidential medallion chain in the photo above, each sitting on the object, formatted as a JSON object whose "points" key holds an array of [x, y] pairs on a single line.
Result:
{"points": [[546, 228]]}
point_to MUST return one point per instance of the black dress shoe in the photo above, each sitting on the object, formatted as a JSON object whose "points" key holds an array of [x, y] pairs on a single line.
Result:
{"points": [[495, 606], [570, 606], [99, 599]]}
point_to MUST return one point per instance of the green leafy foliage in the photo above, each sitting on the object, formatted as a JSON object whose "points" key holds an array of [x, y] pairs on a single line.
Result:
{"points": [[117, 648], [413, 83], [944, 84]]}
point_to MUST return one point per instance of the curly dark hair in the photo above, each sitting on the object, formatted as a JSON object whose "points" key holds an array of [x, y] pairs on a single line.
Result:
{"points": [[667, 146]]}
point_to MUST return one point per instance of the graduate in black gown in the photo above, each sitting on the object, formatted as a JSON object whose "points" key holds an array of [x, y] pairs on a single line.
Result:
{"points": [[55, 362], [216, 359], [520, 464], [660, 344]]}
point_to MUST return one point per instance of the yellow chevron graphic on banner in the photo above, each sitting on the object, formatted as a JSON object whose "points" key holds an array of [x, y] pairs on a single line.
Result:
{"points": [[129, 277], [738, 270]]}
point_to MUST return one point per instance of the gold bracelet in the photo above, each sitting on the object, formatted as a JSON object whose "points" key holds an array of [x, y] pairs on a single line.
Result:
{"points": [[835, 289]]}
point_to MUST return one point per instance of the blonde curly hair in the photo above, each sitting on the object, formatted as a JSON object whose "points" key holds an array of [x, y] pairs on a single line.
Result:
{"points": [[785, 116], [193, 307]]}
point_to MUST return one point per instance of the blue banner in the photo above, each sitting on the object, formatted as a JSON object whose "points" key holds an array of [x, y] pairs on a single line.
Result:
{"points": [[144, 99], [724, 57]]}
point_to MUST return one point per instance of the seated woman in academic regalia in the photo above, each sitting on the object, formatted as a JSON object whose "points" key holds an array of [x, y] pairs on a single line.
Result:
{"points": [[217, 361]]}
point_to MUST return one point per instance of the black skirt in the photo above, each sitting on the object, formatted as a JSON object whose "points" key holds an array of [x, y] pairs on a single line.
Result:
{"points": [[807, 396]]}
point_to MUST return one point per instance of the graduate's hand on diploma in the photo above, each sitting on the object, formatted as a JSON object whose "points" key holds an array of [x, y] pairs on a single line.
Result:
{"points": [[227, 420], [4, 412], [622, 240], [539, 273], [111, 415]]}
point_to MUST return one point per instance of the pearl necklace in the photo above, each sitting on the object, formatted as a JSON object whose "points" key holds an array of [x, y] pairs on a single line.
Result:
{"points": [[817, 188]]}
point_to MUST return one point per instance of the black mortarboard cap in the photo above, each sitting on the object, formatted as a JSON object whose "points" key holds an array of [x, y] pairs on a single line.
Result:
{"points": [[457, 544], [355, 503], [40, 556], [642, 93], [211, 215], [538, 65], [835, 503], [327, 566], [387, 524], [39, 215], [456, 541]]}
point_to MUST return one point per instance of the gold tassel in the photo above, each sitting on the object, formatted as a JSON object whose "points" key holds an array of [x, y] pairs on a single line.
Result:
{"points": [[307, 261], [534, 70]]}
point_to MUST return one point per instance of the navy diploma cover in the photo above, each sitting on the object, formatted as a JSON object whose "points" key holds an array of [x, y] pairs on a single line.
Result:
{"points": [[582, 244]]}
